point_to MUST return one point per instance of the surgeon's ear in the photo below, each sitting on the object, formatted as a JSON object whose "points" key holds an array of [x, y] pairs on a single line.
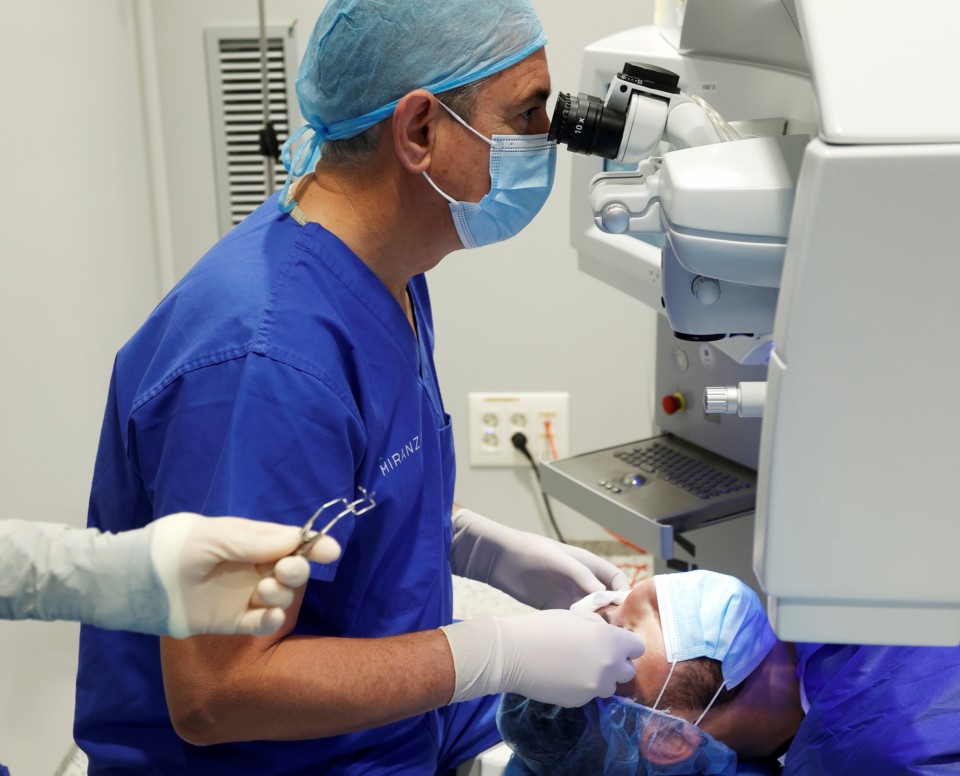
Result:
{"points": [[414, 129]]}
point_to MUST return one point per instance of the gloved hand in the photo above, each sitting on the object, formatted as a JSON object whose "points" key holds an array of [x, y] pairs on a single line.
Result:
{"points": [[229, 574], [555, 656], [535, 570]]}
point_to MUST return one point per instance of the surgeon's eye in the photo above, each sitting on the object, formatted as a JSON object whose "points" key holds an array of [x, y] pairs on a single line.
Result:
{"points": [[525, 115]]}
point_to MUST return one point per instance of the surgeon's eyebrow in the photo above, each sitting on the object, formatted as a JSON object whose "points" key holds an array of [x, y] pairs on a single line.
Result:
{"points": [[541, 95], [535, 98]]}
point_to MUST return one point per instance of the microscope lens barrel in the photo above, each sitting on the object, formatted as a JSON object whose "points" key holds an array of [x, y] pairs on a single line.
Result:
{"points": [[587, 126]]}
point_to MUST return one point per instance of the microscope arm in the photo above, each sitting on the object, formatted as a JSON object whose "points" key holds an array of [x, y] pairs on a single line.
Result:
{"points": [[628, 202]]}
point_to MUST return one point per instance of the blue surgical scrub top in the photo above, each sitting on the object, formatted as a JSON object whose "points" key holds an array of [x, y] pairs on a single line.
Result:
{"points": [[882, 711], [277, 375]]}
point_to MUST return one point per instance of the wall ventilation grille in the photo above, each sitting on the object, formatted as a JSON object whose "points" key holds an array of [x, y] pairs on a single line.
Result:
{"points": [[236, 113]]}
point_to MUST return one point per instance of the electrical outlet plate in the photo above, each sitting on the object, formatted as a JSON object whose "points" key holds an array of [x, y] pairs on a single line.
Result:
{"points": [[495, 417]]}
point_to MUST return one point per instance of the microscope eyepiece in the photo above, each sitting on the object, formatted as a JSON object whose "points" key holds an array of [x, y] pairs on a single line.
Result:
{"points": [[598, 127], [587, 126]]}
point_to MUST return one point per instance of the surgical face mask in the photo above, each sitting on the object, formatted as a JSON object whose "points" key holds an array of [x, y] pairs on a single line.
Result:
{"points": [[522, 169], [706, 614]]}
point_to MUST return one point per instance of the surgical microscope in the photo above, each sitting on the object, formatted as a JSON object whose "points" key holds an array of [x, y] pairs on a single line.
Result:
{"points": [[782, 191]]}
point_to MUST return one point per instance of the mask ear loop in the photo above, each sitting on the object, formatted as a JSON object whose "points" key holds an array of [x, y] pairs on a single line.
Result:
{"points": [[439, 191], [664, 688], [457, 117], [487, 140], [709, 705]]}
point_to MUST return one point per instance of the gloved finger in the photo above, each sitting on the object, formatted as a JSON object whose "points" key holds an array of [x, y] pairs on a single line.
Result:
{"points": [[629, 642], [589, 616], [619, 581], [627, 672], [260, 622], [634, 645], [610, 577], [292, 571], [251, 541], [270, 592], [325, 550], [573, 578]]}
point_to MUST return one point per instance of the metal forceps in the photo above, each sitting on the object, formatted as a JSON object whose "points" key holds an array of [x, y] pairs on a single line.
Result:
{"points": [[309, 537]]}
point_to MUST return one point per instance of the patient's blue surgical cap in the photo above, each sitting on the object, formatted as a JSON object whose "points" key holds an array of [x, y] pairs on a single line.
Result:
{"points": [[706, 614], [609, 736], [364, 55]]}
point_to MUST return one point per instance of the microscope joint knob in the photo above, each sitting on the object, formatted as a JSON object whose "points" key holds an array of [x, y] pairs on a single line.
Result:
{"points": [[615, 218], [706, 290]]}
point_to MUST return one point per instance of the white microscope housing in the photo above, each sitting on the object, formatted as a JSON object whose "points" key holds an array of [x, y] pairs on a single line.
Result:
{"points": [[819, 237], [723, 208]]}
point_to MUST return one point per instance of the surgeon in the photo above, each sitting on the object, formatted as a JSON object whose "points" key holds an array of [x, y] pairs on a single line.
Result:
{"points": [[179, 576], [294, 364], [818, 709]]}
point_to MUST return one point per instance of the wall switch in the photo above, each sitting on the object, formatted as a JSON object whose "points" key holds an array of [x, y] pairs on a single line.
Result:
{"points": [[494, 418]]}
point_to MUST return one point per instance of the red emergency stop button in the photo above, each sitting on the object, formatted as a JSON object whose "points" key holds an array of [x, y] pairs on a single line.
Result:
{"points": [[673, 403]]}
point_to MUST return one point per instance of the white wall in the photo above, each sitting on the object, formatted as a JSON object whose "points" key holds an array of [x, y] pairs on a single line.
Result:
{"points": [[77, 274]]}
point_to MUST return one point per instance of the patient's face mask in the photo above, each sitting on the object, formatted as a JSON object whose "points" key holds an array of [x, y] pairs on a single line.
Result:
{"points": [[522, 169], [706, 614]]}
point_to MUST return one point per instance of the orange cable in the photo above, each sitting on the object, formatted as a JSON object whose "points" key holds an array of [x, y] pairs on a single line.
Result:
{"points": [[629, 544], [553, 447]]}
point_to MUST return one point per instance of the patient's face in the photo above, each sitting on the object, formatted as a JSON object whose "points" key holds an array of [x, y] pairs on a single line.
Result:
{"points": [[640, 613], [755, 723]]}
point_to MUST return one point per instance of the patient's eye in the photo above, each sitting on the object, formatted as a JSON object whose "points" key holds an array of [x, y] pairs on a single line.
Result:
{"points": [[605, 612]]}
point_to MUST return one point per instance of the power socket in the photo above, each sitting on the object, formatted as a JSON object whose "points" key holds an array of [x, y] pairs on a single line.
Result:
{"points": [[495, 417]]}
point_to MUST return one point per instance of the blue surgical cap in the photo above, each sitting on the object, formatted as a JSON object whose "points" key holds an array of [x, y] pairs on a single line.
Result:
{"points": [[364, 55]]}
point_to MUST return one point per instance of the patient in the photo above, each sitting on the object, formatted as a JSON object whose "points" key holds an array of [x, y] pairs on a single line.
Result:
{"points": [[714, 664], [713, 682], [711, 622]]}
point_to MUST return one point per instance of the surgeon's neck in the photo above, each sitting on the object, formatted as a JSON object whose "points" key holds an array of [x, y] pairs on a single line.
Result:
{"points": [[381, 214]]}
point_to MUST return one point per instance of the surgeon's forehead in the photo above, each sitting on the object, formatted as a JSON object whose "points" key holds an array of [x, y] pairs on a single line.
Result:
{"points": [[528, 81]]}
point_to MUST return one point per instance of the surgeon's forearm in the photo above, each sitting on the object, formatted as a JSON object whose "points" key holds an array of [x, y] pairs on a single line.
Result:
{"points": [[56, 572], [222, 689]]}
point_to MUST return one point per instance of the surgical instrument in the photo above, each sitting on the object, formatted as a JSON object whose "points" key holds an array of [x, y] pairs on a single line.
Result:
{"points": [[357, 507]]}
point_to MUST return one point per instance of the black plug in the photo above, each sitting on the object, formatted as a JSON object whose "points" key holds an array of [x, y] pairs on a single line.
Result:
{"points": [[519, 441]]}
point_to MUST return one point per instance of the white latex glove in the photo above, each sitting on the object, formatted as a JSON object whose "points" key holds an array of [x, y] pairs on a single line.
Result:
{"points": [[229, 574], [535, 570], [555, 656]]}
